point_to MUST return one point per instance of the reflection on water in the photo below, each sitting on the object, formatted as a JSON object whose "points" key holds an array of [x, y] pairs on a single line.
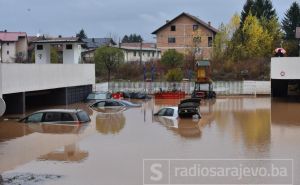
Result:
{"points": [[110, 123], [284, 112], [187, 128], [70, 153]]}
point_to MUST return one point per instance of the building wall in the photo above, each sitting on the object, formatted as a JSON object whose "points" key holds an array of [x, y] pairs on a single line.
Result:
{"points": [[147, 56], [285, 68], [22, 47], [43, 56], [33, 77], [72, 56], [9, 47], [184, 37]]}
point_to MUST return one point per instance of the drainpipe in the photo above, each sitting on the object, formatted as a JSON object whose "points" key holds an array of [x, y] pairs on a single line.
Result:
{"points": [[1, 50]]}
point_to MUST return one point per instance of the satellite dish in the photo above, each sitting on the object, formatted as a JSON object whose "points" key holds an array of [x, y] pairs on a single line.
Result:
{"points": [[2, 107]]}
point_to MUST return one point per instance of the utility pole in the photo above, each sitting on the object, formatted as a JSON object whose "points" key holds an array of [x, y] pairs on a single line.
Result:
{"points": [[141, 52]]}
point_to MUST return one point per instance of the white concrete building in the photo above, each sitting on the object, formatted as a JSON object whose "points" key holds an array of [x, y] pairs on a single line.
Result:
{"points": [[13, 46], [144, 52], [285, 76], [71, 49], [41, 83]]}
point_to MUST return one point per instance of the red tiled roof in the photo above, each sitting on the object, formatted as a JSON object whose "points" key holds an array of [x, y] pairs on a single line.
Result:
{"points": [[11, 36]]}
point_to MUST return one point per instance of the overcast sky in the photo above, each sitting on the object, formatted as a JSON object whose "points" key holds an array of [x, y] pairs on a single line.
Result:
{"points": [[100, 18]]}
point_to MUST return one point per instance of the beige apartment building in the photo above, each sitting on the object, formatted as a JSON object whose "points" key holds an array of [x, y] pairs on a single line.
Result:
{"points": [[187, 34]]}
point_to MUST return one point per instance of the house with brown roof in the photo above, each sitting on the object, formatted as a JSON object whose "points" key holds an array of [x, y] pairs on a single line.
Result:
{"points": [[13, 46], [187, 34]]}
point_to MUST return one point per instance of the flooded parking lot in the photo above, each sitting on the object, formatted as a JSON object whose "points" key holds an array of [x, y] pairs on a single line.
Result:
{"points": [[110, 150]]}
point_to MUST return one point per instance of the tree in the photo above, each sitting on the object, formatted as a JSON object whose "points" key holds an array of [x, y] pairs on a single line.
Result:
{"points": [[247, 9], [81, 34], [132, 38], [256, 41], [108, 57], [53, 55], [258, 8], [174, 75], [291, 21], [172, 59]]}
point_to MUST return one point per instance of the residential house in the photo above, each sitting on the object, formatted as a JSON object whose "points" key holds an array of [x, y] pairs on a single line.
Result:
{"points": [[91, 44], [141, 52], [187, 34], [13, 46]]}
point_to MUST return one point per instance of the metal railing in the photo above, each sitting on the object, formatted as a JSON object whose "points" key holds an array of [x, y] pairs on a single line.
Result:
{"points": [[220, 87]]}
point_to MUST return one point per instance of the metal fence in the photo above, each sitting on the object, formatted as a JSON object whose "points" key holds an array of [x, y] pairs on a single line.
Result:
{"points": [[220, 87]]}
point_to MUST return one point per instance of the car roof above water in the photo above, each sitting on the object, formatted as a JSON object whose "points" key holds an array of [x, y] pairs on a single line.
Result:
{"points": [[59, 110]]}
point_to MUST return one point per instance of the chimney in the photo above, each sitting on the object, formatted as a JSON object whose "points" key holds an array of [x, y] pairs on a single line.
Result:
{"points": [[59, 36], [167, 21], [5, 31], [209, 23]]}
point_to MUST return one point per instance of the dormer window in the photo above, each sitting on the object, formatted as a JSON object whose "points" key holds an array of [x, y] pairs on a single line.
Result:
{"points": [[173, 28]]}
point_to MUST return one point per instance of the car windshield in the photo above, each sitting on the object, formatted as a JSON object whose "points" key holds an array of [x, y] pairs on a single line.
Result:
{"points": [[127, 103], [83, 116], [96, 96]]}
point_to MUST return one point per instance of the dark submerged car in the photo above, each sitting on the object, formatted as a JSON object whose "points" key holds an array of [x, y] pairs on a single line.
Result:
{"points": [[189, 108], [136, 95]]}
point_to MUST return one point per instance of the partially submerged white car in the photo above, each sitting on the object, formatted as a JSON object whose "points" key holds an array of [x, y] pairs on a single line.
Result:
{"points": [[168, 112]]}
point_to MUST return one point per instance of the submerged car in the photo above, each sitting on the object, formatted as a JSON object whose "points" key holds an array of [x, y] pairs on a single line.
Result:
{"points": [[95, 96], [114, 104], [58, 116], [189, 108], [136, 95], [169, 112]]}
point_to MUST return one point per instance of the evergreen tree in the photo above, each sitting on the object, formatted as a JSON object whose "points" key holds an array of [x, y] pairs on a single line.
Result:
{"points": [[264, 8], [132, 38], [125, 39], [291, 21], [259, 8], [247, 9], [81, 34]]}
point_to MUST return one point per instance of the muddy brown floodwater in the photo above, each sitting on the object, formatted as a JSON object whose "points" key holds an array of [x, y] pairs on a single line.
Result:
{"points": [[110, 150]]}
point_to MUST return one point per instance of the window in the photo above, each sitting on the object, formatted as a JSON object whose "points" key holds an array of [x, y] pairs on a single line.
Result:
{"points": [[169, 112], [195, 27], [171, 40], [83, 116], [7, 43], [35, 118], [112, 104], [134, 53], [210, 41], [149, 54], [7, 52], [162, 112], [69, 46], [39, 47], [153, 53], [66, 117], [100, 104], [52, 117], [173, 28]]}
